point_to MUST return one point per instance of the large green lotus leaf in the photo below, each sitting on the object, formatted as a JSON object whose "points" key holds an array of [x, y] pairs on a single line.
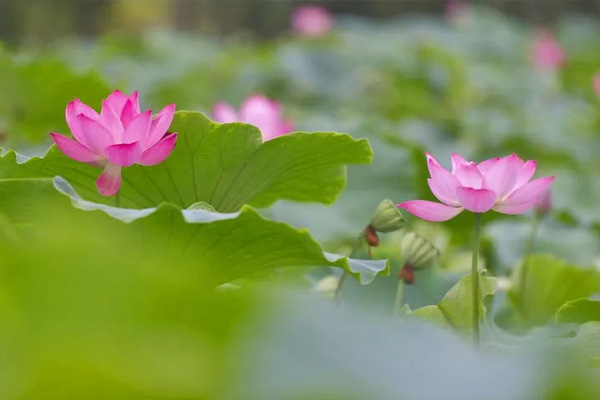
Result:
{"points": [[579, 311], [225, 246], [456, 307], [224, 165], [550, 283]]}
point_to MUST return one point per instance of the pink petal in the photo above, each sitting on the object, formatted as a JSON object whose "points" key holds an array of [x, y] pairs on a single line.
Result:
{"points": [[444, 191], [111, 120], [457, 160], [442, 183], [139, 128], [501, 175], [223, 112], [271, 132], [74, 108], [135, 100], [430, 211], [528, 193], [485, 166], [116, 100], [124, 155], [468, 175], [94, 135], [525, 173], [431, 161], [128, 113], [109, 182], [514, 208], [476, 200], [258, 109], [160, 151], [160, 125], [312, 21], [75, 150], [285, 128]]}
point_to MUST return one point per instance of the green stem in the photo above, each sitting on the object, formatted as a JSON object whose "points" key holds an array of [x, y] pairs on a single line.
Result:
{"points": [[399, 295], [118, 199], [532, 235], [528, 249], [346, 274], [475, 279], [340, 284]]}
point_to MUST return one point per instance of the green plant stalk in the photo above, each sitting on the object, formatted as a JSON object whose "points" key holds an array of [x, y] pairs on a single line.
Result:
{"points": [[475, 279], [528, 249], [346, 274], [118, 199], [399, 295]]}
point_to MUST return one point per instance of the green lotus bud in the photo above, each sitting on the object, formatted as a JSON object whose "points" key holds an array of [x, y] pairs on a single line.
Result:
{"points": [[387, 218], [417, 251]]}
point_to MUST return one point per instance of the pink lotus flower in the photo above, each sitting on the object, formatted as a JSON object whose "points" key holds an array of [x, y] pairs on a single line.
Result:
{"points": [[457, 11], [597, 84], [546, 52], [502, 184], [256, 110], [119, 136], [312, 21]]}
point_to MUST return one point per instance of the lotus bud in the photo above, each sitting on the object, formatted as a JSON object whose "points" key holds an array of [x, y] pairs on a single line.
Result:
{"points": [[418, 253], [387, 218]]}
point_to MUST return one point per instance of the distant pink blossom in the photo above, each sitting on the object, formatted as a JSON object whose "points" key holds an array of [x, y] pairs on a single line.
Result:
{"points": [[543, 205], [597, 84], [547, 52], [256, 110], [119, 136], [312, 21], [456, 11], [502, 184]]}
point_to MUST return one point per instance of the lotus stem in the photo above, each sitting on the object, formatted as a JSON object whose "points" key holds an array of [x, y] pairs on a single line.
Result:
{"points": [[475, 279]]}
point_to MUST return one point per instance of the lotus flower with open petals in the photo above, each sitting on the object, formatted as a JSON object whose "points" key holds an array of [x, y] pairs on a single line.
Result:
{"points": [[312, 21], [256, 110], [119, 136], [500, 184], [547, 52]]}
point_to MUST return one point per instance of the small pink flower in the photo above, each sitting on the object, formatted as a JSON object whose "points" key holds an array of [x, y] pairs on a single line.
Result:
{"points": [[597, 83], [256, 110], [546, 52], [502, 184], [312, 21], [119, 136], [456, 11]]}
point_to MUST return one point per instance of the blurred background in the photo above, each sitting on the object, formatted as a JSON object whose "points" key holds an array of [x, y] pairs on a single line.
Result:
{"points": [[45, 20]]}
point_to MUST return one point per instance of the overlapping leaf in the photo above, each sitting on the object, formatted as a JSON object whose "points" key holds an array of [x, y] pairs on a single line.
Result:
{"points": [[225, 246]]}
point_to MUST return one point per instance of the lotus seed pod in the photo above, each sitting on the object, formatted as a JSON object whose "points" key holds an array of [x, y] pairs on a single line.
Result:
{"points": [[387, 218], [417, 251]]}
